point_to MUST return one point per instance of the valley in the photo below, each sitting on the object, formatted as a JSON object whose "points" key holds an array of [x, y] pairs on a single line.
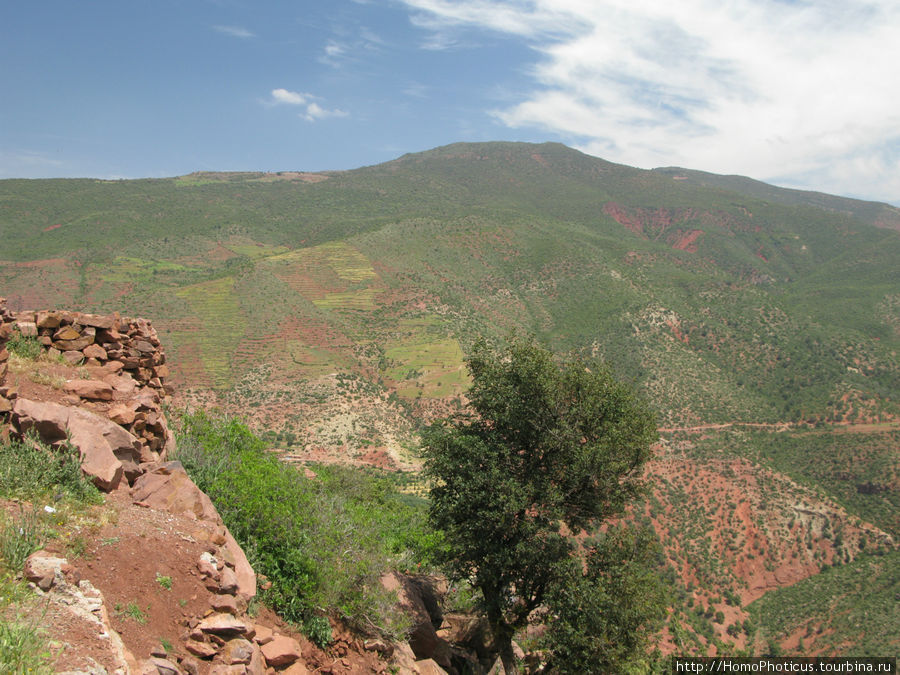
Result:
{"points": [[332, 313]]}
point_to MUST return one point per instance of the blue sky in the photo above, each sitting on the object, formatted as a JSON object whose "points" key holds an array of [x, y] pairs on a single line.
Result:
{"points": [[796, 92]]}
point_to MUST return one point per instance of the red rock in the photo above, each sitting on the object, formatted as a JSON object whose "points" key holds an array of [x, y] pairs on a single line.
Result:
{"points": [[97, 458], [225, 603], [165, 667], [169, 488], [121, 414], [237, 650], [27, 328], [41, 568], [202, 649], [72, 357], [96, 321], [429, 667], [47, 319], [228, 583], [298, 668], [73, 345], [223, 624], [281, 651], [4, 354], [48, 419], [95, 351], [246, 577], [257, 665], [123, 384], [264, 634], [95, 390], [67, 333]]}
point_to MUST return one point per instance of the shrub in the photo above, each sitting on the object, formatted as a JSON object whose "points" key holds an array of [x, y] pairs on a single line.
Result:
{"points": [[26, 347], [324, 543], [30, 469], [19, 538]]}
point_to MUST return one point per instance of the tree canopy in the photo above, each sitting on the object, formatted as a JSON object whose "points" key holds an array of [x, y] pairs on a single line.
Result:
{"points": [[545, 451]]}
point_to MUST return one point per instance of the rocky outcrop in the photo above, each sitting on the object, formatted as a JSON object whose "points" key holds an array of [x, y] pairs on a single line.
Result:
{"points": [[72, 601], [126, 383], [168, 488]]}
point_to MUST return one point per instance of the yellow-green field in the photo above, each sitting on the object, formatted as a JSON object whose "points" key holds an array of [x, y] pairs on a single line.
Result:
{"points": [[129, 270], [222, 323], [425, 363]]}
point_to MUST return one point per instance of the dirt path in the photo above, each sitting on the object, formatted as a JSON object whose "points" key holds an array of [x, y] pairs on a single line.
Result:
{"points": [[785, 426]]}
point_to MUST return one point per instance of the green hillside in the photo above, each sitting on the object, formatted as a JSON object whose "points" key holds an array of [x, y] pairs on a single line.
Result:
{"points": [[332, 312], [727, 299]]}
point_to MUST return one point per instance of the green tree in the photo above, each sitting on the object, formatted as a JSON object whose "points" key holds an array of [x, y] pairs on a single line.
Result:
{"points": [[544, 452]]}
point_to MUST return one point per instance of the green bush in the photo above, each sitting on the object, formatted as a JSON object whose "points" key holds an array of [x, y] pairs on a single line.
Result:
{"points": [[323, 543], [26, 347], [30, 469]]}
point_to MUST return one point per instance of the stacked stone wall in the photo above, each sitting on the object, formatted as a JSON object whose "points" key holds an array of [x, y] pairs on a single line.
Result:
{"points": [[123, 384]]}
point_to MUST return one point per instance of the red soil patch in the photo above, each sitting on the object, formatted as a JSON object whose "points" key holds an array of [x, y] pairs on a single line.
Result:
{"points": [[52, 227]]}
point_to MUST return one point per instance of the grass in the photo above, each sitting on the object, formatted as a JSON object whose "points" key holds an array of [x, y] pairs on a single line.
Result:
{"points": [[164, 581], [23, 643], [30, 471], [25, 347], [131, 611], [20, 537]]}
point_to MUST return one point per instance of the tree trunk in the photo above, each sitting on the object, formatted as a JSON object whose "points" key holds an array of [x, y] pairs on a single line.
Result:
{"points": [[508, 658]]}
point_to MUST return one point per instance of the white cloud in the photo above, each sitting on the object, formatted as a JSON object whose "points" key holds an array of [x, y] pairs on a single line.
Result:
{"points": [[315, 112], [289, 97], [312, 110], [796, 90], [235, 31]]}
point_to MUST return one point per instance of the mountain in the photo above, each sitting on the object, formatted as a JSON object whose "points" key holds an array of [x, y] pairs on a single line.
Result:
{"points": [[333, 310]]}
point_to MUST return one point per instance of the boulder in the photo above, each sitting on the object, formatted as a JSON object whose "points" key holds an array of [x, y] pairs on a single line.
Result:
{"points": [[202, 649], [49, 420], [223, 625], [281, 651], [72, 357], [94, 390], [98, 440], [235, 651], [74, 345], [67, 334], [121, 414], [429, 667], [27, 328], [263, 635], [47, 319], [42, 567], [423, 638], [94, 352], [96, 321], [169, 488], [97, 457], [246, 577]]}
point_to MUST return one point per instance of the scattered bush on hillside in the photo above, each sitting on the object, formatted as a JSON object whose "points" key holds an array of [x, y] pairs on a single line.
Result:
{"points": [[323, 543]]}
